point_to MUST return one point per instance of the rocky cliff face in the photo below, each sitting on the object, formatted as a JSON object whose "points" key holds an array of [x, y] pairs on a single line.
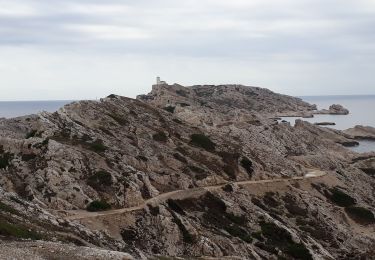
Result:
{"points": [[185, 169]]}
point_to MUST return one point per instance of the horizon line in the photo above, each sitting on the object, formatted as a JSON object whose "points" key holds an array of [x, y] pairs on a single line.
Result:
{"points": [[93, 99]]}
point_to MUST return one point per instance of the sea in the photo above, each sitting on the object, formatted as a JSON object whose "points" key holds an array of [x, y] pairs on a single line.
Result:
{"points": [[362, 112], [10, 109]]}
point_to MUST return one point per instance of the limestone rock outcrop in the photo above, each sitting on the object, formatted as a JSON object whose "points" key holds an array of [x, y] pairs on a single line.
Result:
{"points": [[201, 171], [361, 132], [334, 109]]}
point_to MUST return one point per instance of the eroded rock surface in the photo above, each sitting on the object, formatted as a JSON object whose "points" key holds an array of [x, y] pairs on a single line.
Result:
{"points": [[361, 132], [118, 152]]}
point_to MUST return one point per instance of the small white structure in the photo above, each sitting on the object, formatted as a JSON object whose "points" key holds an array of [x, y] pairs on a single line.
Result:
{"points": [[160, 82]]}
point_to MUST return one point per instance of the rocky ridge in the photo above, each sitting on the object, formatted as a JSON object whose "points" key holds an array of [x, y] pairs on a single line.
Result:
{"points": [[120, 152]]}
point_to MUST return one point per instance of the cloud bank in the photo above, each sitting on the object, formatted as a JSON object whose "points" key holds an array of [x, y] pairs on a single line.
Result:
{"points": [[87, 49]]}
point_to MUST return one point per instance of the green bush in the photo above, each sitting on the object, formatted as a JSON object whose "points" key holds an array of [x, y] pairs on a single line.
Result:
{"points": [[4, 160], [98, 146], [98, 205], [11, 230], [160, 137], [30, 134], [341, 198], [28, 157], [258, 235], [247, 165], [360, 215], [170, 109], [7, 208], [202, 141], [100, 180]]}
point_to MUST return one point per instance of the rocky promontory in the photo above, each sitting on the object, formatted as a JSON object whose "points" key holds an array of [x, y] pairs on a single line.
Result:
{"points": [[334, 109], [361, 132], [193, 172]]}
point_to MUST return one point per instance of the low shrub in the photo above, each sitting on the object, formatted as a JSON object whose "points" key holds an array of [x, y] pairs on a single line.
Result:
{"points": [[12, 230], [28, 157], [202, 141], [31, 134], [258, 235], [100, 180], [5, 160], [360, 215], [98, 146], [340, 198], [98, 205], [7, 208], [228, 188], [247, 165], [160, 137], [129, 234], [170, 109]]}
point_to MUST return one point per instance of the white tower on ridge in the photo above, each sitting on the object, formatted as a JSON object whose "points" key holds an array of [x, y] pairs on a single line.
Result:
{"points": [[160, 82]]}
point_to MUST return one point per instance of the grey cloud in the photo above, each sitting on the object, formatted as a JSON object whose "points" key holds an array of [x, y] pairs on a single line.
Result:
{"points": [[257, 33]]}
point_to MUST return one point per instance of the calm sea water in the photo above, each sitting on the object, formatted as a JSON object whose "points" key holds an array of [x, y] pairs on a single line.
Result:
{"points": [[9, 109], [362, 109], [362, 112]]}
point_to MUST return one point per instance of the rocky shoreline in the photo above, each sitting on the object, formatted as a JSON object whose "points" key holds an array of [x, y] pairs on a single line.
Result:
{"points": [[361, 132]]}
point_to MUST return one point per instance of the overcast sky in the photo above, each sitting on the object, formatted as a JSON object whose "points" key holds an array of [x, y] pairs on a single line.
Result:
{"points": [[86, 49]]}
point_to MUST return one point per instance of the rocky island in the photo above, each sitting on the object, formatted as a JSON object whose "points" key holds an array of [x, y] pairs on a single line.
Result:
{"points": [[200, 172], [334, 109]]}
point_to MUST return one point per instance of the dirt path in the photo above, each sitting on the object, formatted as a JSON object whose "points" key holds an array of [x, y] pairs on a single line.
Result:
{"points": [[181, 194]]}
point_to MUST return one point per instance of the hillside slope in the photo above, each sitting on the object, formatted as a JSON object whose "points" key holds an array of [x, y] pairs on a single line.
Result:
{"points": [[118, 153]]}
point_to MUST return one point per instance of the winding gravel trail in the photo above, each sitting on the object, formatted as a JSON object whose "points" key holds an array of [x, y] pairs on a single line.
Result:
{"points": [[182, 194]]}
